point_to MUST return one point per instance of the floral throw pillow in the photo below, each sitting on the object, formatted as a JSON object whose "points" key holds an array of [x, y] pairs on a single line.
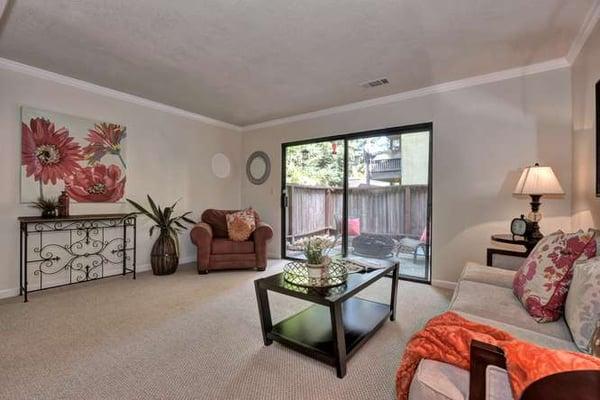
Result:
{"points": [[542, 282], [241, 224], [582, 308]]}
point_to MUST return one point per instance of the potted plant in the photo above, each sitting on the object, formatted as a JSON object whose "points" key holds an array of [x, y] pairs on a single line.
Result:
{"points": [[315, 251], [47, 206], [164, 256]]}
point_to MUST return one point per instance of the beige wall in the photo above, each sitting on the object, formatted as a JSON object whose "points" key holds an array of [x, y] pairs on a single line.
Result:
{"points": [[168, 156], [482, 136], [585, 73]]}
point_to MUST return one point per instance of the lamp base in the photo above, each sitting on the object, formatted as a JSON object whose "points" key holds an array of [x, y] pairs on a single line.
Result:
{"points": [[536, 216]]}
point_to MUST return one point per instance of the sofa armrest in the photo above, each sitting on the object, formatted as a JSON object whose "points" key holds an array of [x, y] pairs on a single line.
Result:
{"points": [[202, 235], [482, 356], [261, 235]]}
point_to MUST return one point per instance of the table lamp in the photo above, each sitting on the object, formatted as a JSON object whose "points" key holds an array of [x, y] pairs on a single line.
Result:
{"points": [[537, 181]]}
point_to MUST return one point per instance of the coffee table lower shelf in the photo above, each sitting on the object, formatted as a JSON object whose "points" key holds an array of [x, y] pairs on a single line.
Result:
{"points": [[310, 331]]}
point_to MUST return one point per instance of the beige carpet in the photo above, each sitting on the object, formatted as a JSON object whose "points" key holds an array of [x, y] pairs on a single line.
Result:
{"points": [[186, 336]]}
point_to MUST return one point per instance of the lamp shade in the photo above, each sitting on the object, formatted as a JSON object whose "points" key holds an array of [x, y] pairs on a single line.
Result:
{"points": [[538, 180]]}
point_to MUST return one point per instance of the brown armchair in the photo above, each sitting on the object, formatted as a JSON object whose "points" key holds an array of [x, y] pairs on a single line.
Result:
{"points": [[216, 251]]}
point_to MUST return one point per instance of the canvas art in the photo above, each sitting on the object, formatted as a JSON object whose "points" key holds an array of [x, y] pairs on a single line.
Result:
{"points": [[59, 152]]}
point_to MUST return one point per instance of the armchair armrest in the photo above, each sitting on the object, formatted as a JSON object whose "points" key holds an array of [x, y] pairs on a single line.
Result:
{"points": [[482, 355], [261, 235], [201, 235], [263, 232]]}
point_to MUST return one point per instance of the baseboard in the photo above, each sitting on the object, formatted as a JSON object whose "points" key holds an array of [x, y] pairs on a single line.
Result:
{"points": [[6, 293], [443, 284], [148, 267]]}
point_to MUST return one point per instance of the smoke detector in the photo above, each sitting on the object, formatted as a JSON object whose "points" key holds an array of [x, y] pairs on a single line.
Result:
{"points": [[375, 83]]}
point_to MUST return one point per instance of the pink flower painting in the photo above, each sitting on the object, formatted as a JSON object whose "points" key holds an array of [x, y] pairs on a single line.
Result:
{"points": [[48, 154], [104, 139], [97, 184], [62, 152]]}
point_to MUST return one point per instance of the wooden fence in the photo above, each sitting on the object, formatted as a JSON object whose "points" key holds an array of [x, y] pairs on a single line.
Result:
{"points": [[391, 210]]}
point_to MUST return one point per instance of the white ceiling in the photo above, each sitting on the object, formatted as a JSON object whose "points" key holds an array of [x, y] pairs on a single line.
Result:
{"points": [[248, 61]]}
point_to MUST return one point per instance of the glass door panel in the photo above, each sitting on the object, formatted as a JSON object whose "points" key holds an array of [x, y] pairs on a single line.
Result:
{"points": [[313, 195], [388, 196]]}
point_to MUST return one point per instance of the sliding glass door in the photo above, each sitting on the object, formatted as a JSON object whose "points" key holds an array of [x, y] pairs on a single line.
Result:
{"points": [[313, 195], [369, 194]]}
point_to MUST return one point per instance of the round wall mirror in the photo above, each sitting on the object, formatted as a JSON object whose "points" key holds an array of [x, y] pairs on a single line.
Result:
{"points": [[258, 167], [221, 166]]}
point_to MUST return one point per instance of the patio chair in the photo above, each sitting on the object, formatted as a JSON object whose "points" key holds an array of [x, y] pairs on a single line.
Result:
{"points": [[414, 245]]}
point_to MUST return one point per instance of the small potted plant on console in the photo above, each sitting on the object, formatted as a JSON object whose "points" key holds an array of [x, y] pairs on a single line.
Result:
{"points": [[47, 206]]}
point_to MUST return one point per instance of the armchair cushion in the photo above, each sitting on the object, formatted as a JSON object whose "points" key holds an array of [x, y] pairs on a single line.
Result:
{"points": [[224, 246], [217, 219]]}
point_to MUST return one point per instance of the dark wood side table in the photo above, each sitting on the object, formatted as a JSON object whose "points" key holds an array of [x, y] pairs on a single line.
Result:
{"points": [[573, 385], [509, 239], [337, 325]]}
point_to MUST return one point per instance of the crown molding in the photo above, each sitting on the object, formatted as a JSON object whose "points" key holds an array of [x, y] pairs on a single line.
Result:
{"points": [[115, 94], [435, 89], [589, 23]]}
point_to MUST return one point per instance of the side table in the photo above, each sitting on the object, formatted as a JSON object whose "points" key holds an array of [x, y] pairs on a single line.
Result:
{"points": [[510, 239]]}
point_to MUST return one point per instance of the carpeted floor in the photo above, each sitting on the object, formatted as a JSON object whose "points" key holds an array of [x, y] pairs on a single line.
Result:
{"points": [[187, 336]]}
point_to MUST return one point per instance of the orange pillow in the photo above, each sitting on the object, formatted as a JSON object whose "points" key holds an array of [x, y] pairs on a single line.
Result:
{"points": [[240, 225]]}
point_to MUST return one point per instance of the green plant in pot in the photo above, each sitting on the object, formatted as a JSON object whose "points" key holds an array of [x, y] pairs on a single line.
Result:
{"points": [[47, 206], [315, 251], [164, 256]]}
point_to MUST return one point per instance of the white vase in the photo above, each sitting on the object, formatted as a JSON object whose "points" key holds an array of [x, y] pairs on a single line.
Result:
{"points": [[317, 271]]}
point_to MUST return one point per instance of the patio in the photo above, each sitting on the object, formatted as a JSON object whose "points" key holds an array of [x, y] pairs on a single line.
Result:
{"points": [[408, 265]]}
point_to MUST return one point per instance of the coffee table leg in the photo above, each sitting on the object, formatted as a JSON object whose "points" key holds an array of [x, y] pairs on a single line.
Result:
{"points": [[264, 312], [394, 292], [339, 337]]}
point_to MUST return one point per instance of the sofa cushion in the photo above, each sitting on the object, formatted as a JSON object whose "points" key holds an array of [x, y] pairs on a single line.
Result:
{"points": [[497, 384], [542, 282], [225, 246], [527, 335], [436, 380], [498, 303], [494, 276], [582, 308]]}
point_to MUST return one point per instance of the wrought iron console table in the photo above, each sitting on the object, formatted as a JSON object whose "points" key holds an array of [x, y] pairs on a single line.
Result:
{"points": [[67, 250]]}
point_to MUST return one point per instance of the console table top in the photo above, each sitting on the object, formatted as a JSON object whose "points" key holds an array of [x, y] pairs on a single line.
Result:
{"points": [[80, 217]]}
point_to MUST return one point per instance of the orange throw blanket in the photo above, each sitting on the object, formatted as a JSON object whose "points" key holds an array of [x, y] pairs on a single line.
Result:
{"points": [[447, 338]]}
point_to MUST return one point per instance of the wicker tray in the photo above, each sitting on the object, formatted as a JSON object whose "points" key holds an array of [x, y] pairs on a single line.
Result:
{"points": [[335, 274]]}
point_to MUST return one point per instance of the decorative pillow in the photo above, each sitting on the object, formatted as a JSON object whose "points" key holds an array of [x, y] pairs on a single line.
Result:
{"points": [[542, 282], [582, 308], [240, 225]]}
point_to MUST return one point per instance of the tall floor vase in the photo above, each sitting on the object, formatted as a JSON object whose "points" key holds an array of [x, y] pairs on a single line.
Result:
{"points": [[163, 257]]}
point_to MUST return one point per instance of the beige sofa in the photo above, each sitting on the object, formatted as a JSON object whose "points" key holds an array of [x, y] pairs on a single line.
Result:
{"points": [[484, 294]]}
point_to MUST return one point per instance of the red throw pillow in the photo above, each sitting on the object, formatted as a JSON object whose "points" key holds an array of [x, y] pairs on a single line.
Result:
{"points": [[542, 282], [353, 226]]}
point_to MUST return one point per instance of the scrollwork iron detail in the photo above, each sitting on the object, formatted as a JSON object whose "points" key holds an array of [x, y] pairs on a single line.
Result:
{"points": [[84, 256]]}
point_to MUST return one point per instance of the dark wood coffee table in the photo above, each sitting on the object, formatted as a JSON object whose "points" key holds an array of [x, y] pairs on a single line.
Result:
{"points": [[337, 325]]}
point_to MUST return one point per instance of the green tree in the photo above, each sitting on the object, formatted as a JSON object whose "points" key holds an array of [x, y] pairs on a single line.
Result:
{"points": [[316, 164]]}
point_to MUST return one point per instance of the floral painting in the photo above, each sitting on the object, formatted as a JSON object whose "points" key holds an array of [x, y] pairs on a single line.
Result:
{"points": [[60, 152]]}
